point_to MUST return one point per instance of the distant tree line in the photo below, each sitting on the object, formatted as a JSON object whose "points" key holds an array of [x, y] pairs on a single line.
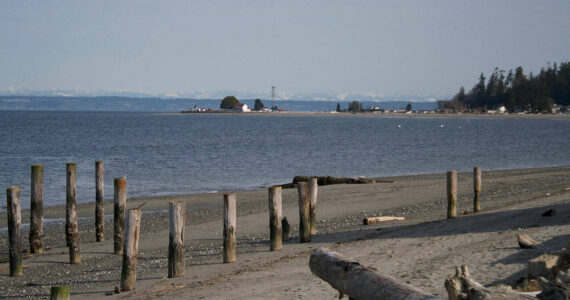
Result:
{"points": [[516, 91]]}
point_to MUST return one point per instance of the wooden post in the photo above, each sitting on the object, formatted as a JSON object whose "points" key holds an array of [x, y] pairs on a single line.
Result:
{"points": [[59, 293], [304, 215], [229, 228], [130, 249], [451, 194], [176, 257], [36, 236], [120, 202], [313, 189], [476, 188], [73, 240], [70, 202], [275, 216], [14, 215], [99, 197], [359, 282]]}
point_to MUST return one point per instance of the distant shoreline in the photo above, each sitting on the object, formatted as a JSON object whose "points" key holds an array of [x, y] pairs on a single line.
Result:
{"points": [[374, 114]]}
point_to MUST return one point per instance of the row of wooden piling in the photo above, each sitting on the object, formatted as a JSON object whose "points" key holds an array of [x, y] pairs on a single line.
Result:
{"points": [[452, 192], [127, 230]]}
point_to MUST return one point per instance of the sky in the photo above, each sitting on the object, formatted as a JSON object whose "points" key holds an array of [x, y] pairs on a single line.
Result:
{"points": [[301, 47]]}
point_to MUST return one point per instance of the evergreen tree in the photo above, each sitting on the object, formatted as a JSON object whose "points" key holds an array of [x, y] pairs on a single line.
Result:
{"points": [[229, 102], [338, 107], [258, 105], [409, 107]]}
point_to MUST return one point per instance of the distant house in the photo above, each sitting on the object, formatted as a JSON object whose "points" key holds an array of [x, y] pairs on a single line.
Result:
{"points": [[242, 108], [266, 109]]}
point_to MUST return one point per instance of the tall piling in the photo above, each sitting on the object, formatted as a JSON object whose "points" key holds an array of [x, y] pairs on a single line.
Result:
{"points": [[72, 230], [130, 249], [304, 212], [275, 216], [229, 228], [99, 197], [451, 194], [176, 257], [36, 236], [313, 191], [119, 204], [476, 189], [14, 216]]}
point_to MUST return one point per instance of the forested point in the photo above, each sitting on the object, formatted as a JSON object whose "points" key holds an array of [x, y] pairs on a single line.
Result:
{"points": [[516, 91]]}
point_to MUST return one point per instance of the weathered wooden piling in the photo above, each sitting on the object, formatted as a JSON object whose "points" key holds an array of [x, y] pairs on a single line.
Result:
{"points": [[70, 202], [451, 194], [313, 190], [130, 249], [72, 230], [119, 204], [229, 228], [304, 212], [275, 215], [14, 216], [476, 188], [176, 257], [99, 209], [36, 237], [60, 292]]}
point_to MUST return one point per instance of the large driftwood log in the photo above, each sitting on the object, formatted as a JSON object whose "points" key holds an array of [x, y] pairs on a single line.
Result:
{"points": [[374, 220], [358, 282], [327, 180], [462, 287]]}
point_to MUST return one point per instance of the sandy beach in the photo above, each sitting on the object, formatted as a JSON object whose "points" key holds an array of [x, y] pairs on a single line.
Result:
{"points": [[422, 250]]}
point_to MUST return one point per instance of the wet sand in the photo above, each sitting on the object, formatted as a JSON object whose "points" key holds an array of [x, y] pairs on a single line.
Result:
{"points": [[421, 250]]}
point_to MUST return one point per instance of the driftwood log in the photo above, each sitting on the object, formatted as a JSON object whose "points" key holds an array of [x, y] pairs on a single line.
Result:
{"points": [[359, 282], [328, 180], [374, 220], [525, 242], [462, 287]]}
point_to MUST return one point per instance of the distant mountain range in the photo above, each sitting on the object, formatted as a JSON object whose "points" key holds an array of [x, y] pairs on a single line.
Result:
{"points": [[219, 94], [155, 104]]}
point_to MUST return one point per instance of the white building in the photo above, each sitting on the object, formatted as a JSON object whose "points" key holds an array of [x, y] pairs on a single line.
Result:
{"points": [[242, 108]]}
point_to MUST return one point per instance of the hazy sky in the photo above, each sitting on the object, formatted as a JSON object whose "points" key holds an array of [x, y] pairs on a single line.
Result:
{"points": [[384, 47]]}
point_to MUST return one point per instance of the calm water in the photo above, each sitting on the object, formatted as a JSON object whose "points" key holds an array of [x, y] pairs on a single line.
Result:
{"points": [[162, 154]]}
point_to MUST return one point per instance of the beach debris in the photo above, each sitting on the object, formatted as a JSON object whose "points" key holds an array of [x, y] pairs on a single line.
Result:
{"points": [[549, 213], [360, 282], [461, 286], [374, 220], [286, 228], [553, 290], [525, 242], [542, 265]]}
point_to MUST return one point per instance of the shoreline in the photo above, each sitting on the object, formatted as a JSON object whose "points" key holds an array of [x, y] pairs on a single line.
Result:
{"points": [[83, 207], [421, 250]]}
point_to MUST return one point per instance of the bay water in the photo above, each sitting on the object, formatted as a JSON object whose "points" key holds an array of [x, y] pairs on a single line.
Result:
{"points": [[173, 153]]}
